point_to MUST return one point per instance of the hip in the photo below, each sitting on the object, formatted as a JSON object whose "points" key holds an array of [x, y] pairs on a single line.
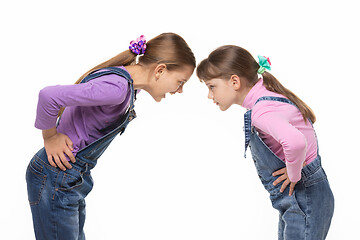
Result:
{"points": [[44, 181]]}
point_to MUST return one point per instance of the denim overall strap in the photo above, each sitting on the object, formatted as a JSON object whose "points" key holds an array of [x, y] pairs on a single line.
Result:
{"points": [[113, 70], [247, 129], [285, 100], [90, 153], [278, 99], [247, 117]]}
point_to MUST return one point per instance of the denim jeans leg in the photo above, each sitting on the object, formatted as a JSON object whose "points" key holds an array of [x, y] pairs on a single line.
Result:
{"points": [[292, 220], [82, 215], [40, 189], [57, 200], [70, 206], [281, 227], [322, 209]]}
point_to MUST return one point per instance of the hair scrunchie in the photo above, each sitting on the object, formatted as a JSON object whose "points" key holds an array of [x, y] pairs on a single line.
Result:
{"points": [[138, 47], [264, 63]]}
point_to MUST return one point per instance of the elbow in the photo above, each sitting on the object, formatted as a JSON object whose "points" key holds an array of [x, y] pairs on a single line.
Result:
{"points": [[47, 101], [47, 97], [44, 95], [295, 148], [299, 148]]}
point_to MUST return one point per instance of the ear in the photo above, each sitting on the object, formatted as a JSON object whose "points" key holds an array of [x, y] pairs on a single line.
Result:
{"points": [[159, 70], [235, 82]]}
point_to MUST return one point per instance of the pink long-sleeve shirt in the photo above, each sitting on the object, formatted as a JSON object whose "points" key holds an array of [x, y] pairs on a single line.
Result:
{"points": [[283, 129]]}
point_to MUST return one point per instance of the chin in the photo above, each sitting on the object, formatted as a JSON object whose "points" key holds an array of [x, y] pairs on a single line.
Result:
{"points": [[158, 99], [224, 108]]}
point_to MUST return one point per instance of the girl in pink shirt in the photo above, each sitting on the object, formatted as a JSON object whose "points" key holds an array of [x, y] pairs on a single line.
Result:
{"points": [[278, 129]]}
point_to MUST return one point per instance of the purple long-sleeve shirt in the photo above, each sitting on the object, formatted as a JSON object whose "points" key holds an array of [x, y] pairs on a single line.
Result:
{"points": [[90, 107]]}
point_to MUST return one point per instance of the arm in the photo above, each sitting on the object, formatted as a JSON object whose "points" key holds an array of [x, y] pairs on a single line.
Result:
{"points": [[105, 90], [292, 141]]}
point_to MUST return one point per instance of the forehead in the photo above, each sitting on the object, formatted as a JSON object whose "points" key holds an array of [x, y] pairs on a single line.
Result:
{"points": [[214, 81], [184, 73]]}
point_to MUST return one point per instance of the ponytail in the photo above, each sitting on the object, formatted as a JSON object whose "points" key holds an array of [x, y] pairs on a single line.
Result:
{"points": [[273, 85], [122, 59]]}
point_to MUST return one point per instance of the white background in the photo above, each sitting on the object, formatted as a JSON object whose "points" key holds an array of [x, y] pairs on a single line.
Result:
{"points": [[178, 172]]}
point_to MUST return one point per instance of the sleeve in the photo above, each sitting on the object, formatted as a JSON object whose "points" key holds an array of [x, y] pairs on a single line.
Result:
{"points": [[291, 139], [105, 90]]}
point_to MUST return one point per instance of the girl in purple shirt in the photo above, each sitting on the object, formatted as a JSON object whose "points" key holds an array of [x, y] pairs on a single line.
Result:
{"points": [[92, 113]]}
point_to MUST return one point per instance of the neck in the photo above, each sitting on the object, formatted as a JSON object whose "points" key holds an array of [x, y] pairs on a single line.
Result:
{"points": [[242, 95], [140, 76]]}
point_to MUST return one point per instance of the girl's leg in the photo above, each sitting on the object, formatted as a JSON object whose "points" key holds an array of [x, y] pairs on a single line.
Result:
{"points": [[57, 200], [40, 192], [308, 212], [321, 209], [292, 219], [69, 220], [70, 206], [82, 219], [281, 228]]}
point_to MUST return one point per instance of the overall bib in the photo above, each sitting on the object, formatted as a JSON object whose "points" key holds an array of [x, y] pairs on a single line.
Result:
{"points": [[56, 197], [307, 213]]}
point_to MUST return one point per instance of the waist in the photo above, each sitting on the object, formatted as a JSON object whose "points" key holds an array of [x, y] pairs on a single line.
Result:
{"points": [[311, 168], [80, 165]]}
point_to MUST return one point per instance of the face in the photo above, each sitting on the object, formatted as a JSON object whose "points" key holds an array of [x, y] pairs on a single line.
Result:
{"points": [[222, 92], [170, 81]]}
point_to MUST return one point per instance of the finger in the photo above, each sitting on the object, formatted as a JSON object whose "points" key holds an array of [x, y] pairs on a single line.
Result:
{"points": [[64, 161], [292, 187], [68, 152], [284, 185], [50, 160], [58, 163], [279, 172], [279, 179], [69, 143]]}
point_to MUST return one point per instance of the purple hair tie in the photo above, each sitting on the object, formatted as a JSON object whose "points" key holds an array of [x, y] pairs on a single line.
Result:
{"points": [[138, 46]]}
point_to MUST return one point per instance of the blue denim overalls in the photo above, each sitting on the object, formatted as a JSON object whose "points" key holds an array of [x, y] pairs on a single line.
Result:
{"points": [[57, 197], [307, 213]]}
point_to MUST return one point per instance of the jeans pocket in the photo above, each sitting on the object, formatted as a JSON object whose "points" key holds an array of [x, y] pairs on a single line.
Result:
{"points": [[36, 180], [71, 179], [315, 178], [285, 203], [296, 202]]}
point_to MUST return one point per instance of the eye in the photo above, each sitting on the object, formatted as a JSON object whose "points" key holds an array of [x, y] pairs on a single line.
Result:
{"points": [[211, 87]]}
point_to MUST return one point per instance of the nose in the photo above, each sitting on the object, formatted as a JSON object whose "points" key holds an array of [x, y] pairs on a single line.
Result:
{"points": [[210, 95], [179, 90]]}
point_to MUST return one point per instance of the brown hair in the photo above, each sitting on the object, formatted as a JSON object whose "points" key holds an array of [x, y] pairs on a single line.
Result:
{"points": [[167, 48], [231, 60]]}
